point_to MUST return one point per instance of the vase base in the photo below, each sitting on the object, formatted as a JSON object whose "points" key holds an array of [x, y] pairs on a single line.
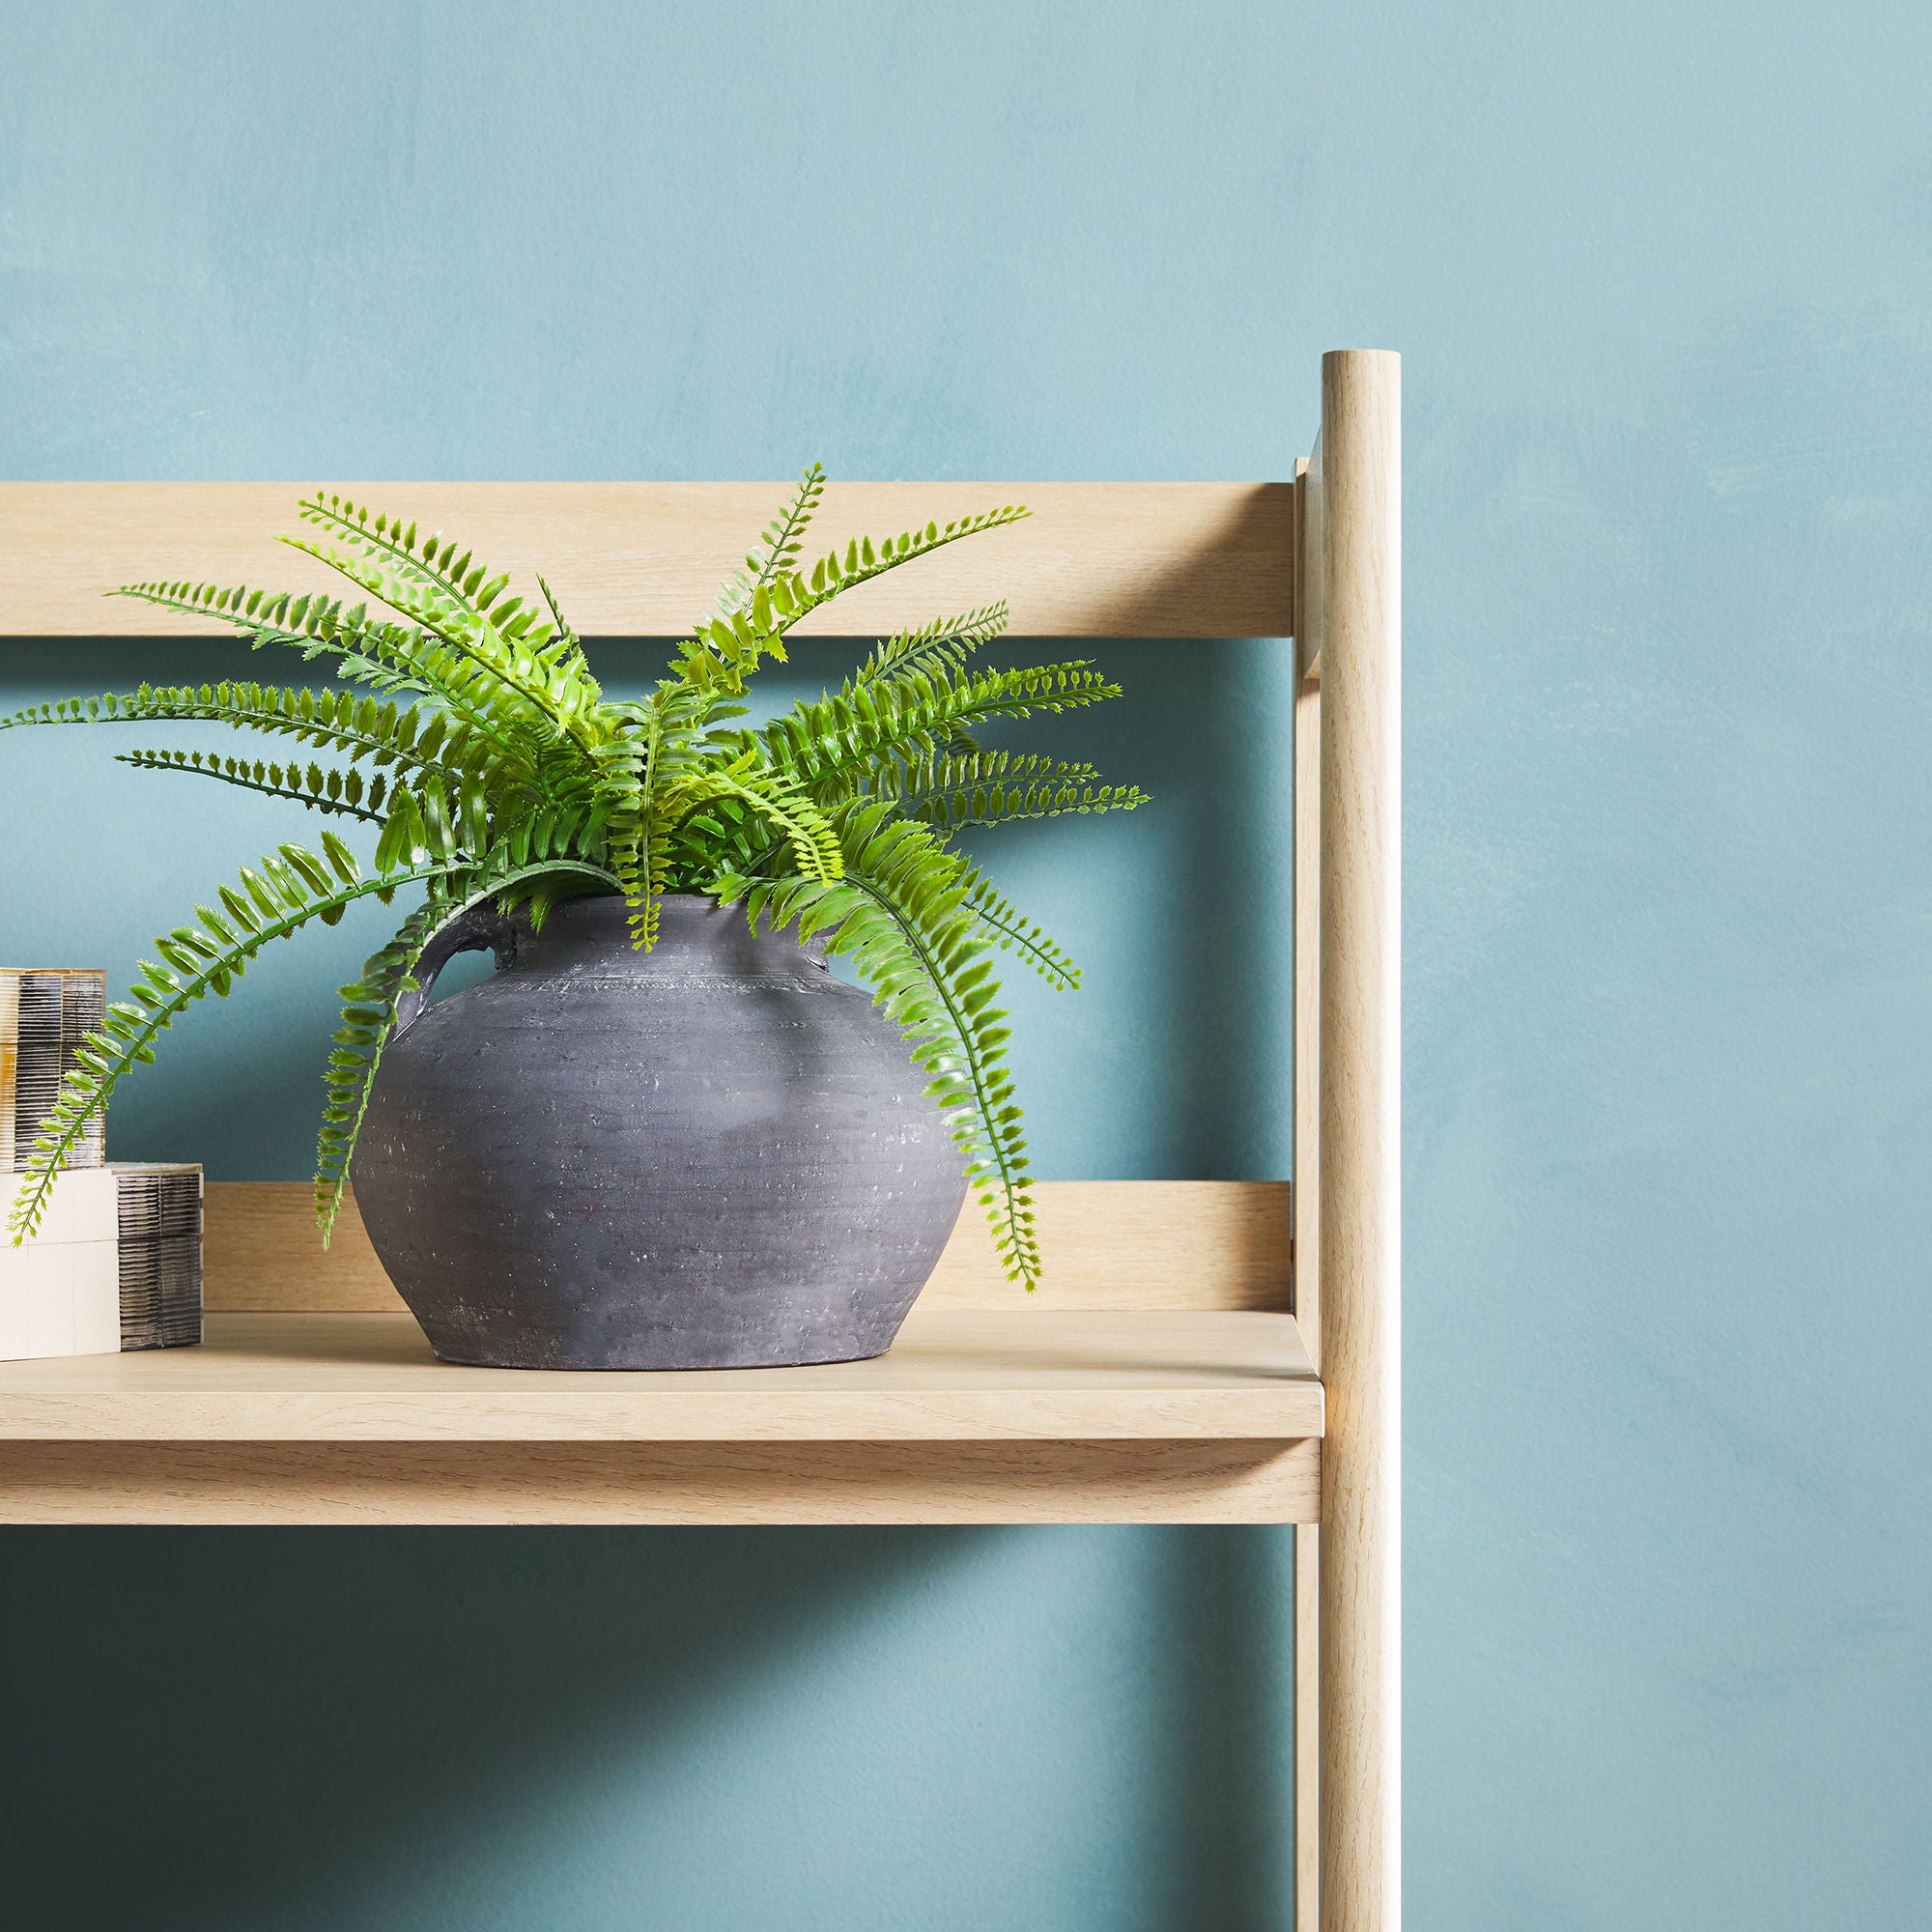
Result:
{"points": [[809, 1359]]}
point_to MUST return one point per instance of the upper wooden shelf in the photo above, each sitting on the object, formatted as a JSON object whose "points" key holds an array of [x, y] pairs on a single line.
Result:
{"points": [[642, 559], [954, 1376]]}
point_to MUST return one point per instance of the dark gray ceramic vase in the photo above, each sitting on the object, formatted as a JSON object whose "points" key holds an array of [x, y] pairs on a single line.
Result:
{"points": [[713, 1154]]}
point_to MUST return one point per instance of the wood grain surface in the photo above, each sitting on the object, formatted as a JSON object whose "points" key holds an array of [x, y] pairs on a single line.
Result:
{"points": [[1306, 1250], [952, 1376], [1109, 1244], [643, 559], [1360, 1138], [379, 1483]]}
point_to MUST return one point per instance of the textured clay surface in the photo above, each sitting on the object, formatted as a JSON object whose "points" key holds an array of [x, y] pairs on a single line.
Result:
{"points": [[710, 1156]]}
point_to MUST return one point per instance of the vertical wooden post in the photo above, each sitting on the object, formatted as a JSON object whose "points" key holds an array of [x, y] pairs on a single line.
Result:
{"points": [[1360, 1139], [1307, 1193]]}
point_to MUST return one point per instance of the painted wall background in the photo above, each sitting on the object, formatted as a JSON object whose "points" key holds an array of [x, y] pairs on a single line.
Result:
{"points": [[1662, 282]]}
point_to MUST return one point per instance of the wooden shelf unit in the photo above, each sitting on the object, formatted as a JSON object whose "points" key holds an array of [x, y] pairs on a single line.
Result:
{"points": [[1151, 1390]]}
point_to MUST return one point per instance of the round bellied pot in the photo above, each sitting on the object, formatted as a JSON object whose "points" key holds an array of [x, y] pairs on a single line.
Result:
{"points": [[714, 1155]]}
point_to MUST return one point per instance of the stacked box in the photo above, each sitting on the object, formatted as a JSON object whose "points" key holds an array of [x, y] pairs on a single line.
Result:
{"points": [[60, 1292], [116, 1264], [44, 1014], [158, 1211]]}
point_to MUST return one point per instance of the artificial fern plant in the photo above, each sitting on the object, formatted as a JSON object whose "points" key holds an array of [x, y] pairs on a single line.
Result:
{"points": [[491, 764]]}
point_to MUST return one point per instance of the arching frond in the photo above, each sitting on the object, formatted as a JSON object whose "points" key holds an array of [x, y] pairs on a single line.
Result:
{"points": [[900, 914], [946, 643], [777, 549], [834, 744], [407, 738], [1011, 931], [284, 891], [554, 684], [356, 1053], [782, 803], [952, 792], [731, 646], [347, 793], [388, 658], [795, 595]]}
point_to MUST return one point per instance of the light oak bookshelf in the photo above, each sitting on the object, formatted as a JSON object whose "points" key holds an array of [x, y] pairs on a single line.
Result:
{"points": [[1208, 1352]]}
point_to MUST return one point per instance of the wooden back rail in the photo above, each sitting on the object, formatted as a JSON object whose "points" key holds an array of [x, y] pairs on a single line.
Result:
{"points": [[638, 559], [1320, 559], [1114, 1244]]}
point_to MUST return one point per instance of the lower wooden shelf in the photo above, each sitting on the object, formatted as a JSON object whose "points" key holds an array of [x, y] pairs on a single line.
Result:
{"points": [[976, 1416]]}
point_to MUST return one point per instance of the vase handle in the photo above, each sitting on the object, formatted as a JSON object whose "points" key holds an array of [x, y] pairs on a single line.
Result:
{"points": [[480, 926]]}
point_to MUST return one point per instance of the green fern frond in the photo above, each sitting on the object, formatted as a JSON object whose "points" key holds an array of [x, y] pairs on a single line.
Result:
{"points": [[780, 801], [795, 594], [556, 685], [777, 547], [729, 647], [563, 837], [389, 658], [430, 562], [832, 745], [347, 793], [1011, 931], [652, 746], [900, 914], [640, 856], [315, 625], [992, 788], [284, 891], [355, 1052], [551, 653], [386, 735], [944, 643], [566, 632], [998, 804]]}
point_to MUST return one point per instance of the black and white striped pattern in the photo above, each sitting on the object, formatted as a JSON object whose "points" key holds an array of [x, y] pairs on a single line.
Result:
{"points": [[161, 1256], [45, 1012]]}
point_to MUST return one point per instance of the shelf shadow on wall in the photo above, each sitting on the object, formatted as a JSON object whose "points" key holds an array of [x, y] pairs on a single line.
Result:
{"points": [[1229, 1766], [251, 1727]]}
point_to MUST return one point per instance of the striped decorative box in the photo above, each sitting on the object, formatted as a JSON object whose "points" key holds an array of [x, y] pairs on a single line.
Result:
{"points": [[43, 1013], [116, 1264]]}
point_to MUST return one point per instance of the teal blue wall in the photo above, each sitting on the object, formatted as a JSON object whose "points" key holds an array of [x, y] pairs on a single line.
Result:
{"points": [[1662, 279]]}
